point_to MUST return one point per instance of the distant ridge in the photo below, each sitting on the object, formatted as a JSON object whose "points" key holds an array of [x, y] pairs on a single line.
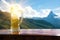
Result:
{"points": [[54, 21]]}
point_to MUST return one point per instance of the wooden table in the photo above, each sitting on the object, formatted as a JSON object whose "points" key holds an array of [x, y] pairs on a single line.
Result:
{"points": [[54, 32]]}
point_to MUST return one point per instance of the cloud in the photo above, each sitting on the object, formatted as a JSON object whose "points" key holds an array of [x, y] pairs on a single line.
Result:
{"points": [[5, 2], [1, 9], [4, 5], [44, 12], [30, 12], [57, 12]]}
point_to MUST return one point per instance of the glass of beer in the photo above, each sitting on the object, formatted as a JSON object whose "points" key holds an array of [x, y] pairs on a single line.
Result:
{"points": [[16, 19], [15, 25]]}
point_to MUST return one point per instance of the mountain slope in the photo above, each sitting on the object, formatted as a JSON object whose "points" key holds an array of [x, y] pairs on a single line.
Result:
{"points": [[35, 24], [52, 20], [4, 20]]}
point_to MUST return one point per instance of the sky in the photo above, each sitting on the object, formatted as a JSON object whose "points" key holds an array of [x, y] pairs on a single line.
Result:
{"points": [[45, 4], [34, 8]]}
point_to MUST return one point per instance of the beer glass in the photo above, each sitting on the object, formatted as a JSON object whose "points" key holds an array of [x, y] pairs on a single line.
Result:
{"points": [[15, 20]]}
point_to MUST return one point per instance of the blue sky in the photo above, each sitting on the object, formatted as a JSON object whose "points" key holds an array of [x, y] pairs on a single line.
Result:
{"points": [[35, 6], [43, 4], [40, 4]]}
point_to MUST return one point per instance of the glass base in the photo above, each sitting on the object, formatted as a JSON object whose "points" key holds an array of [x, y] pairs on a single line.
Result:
{"points": [[15, 32]]}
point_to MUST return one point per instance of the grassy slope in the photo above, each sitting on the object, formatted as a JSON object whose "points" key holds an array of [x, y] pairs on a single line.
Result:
{"points": [[35, 24], [4, 20]]}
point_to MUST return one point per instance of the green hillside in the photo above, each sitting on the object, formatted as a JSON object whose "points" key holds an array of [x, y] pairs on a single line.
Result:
{"points": [[4, 20], [35, 24]]}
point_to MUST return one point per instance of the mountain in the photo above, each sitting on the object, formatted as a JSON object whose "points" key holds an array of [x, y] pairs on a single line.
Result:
{"points": [[35, 24], [4, 20], [54, 21]]}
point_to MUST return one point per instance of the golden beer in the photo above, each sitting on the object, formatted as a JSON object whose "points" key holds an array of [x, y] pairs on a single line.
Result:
{"points": [[15, 19], [15, 25]]}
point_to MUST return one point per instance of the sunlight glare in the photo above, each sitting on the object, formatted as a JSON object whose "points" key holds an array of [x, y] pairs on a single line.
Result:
{"points": [[16, 10]]}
